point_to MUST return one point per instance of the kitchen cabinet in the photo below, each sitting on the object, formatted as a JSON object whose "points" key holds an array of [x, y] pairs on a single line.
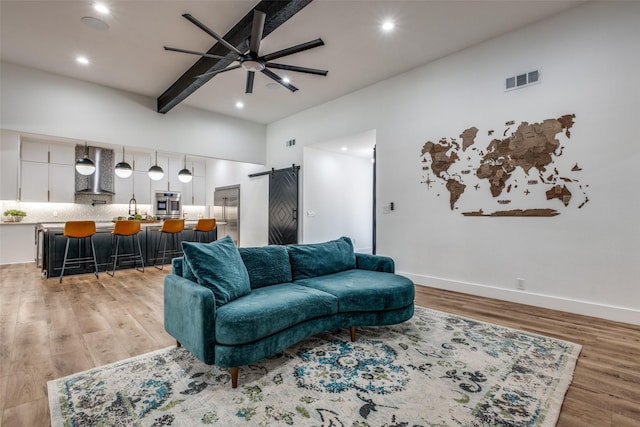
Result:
{"points": [[54, 242], [47, 172], [17, 243], [138, 184], [142, 187], [62, 183], [199, 183], [9, 160]]}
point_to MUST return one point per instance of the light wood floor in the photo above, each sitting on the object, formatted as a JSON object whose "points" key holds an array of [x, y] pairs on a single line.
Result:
{"points": [[49, 330]]}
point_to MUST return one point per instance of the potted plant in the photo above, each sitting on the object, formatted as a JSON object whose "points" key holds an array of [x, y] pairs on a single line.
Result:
{"points": [[14, 215]]}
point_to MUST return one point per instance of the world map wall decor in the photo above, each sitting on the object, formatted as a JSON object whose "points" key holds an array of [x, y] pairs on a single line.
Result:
{"points": [[520, 168]]}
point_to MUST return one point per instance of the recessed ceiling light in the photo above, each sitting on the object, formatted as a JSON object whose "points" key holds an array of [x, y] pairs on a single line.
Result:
{"points": [[239, 104], [82, 60], [388, 26], [286, 79], [94, 23], [344, 148], [99, 7]]}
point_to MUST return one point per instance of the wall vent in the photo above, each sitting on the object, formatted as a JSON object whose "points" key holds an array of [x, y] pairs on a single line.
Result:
{"points": [[291, 143], [522, 80]]}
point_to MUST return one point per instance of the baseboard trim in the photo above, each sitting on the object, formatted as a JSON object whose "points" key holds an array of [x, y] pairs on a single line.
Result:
{"points": [[586, 308]]}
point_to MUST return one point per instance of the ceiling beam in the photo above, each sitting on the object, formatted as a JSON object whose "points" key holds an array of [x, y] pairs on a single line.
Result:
{"points": [[278, 12]]}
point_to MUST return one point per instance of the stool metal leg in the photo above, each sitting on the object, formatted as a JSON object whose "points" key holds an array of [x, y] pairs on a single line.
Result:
{"points": [[64, 260], [155, 259], [115, 244], [93, 252], [137, 237]]}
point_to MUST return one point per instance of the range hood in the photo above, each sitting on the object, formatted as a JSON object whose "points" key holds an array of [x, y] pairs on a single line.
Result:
{"points": [[101, 181]]}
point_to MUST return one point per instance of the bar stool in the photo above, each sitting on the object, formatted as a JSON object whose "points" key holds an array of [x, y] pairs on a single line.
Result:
{"points": [[170, 228], [123, 229], [80, 230], [205, 225]]}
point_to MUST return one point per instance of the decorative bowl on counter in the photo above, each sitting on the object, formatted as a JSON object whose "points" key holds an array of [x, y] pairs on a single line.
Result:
{"points": [[13, 215]]}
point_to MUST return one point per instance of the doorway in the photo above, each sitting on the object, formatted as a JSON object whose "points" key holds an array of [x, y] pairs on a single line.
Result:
{"points": [[338, 190]]}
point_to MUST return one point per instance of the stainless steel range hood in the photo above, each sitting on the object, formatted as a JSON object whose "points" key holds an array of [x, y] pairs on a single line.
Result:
{"points": [[99, 183]]}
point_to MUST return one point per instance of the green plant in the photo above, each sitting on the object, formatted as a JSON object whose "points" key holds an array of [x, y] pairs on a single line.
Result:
{"points": [[14, 212]]}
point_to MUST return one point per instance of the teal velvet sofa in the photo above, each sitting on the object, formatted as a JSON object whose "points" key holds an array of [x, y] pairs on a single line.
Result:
{"points": [[232, 307]]}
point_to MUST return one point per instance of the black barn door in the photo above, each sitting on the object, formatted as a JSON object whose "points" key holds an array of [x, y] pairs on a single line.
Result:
{"points": [[283, 206]]}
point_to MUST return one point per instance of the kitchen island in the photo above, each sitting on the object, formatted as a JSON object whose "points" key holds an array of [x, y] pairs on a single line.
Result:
{"points": [[51, 244]]}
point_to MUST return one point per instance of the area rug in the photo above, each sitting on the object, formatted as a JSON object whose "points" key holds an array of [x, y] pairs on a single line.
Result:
{"points": [[437, 369]]}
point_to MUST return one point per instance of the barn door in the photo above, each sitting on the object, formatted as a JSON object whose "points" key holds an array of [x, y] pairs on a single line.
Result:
{"points": [[283, 206]]}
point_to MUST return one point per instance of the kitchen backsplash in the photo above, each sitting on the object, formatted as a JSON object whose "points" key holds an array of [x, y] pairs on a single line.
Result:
{"points": [[61, 212]]}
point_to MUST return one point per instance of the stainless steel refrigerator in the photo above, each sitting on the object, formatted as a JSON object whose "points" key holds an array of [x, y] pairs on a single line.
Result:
{"points": [[226, 211]]}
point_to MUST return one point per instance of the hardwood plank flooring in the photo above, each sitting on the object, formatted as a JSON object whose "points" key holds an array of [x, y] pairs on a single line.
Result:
{"points": [[49, 330]]}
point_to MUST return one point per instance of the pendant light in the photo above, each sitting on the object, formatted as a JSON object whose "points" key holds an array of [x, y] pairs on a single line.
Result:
{"points": [[185, 174], [85, 166], [123, 169], [155, 172]]}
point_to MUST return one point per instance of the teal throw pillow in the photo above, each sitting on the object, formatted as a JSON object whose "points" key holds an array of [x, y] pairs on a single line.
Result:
{"points": [[318, 259], [218, 266], [267, 265]]}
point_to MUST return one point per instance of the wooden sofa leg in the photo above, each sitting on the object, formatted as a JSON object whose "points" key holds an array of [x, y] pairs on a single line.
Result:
{"points": [[178, 344], [234, 377], [352, 329]]}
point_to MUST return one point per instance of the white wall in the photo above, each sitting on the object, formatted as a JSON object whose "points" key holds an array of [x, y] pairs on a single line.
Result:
{"points": [[34, 101], [337, 198], [254, 197], [584, 260]]}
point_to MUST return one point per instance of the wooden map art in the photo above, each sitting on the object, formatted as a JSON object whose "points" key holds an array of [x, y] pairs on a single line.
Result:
{"points": [[530, 150]]}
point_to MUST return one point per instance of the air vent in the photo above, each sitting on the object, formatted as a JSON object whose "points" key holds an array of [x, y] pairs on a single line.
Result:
{"points": [[291, 143], [522, 80]]}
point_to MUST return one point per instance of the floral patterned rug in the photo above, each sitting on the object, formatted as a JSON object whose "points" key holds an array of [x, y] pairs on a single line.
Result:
{"points": [[437, 369]]}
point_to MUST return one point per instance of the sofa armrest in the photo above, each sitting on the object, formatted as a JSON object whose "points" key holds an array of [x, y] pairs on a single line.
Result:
{"points": [[176, 266], [189, 316], [375, 263]]}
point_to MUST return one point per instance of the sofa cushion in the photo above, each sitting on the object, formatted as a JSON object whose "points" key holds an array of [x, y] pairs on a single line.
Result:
{"points": [[266, 265], [364, 290], [317, 259], [218, 266], [270, 309]]}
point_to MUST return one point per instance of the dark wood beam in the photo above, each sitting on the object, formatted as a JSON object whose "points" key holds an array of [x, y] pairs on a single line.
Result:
{"points": [[278, 12]]}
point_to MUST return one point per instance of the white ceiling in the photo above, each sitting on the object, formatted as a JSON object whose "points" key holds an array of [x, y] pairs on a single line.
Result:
{"points": [[48, 35]]}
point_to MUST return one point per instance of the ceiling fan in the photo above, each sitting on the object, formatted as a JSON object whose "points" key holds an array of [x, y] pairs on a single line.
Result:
{"points": [[252, 61]]}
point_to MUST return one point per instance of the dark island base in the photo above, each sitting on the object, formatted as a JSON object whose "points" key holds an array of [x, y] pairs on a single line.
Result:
{"points": [[54, 243]]}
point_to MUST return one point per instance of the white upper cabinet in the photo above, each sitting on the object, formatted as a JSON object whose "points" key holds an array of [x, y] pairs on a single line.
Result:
{"points": [[61, 183], [199, 183], [62, 154], [9, 159], [47, 172]]}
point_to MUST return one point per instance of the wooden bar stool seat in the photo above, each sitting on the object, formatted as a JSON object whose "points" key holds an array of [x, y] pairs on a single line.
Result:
{"points": [[170, 229], [80, 231], [204, 226], [126, 228]]}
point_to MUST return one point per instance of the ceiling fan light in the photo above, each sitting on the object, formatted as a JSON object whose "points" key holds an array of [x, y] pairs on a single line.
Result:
{"points": [[185, 175], [123, 169], [251, 65], [85, 166]]}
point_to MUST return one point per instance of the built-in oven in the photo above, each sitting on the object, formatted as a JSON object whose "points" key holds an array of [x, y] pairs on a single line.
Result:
{"points": [[167, 204]]}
